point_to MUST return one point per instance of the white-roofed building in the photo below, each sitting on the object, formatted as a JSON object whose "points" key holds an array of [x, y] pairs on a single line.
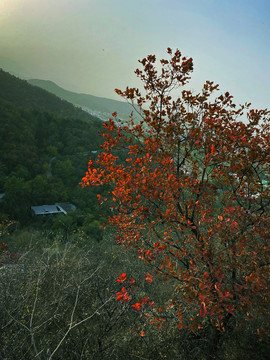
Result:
{"points": [[48, 210]]}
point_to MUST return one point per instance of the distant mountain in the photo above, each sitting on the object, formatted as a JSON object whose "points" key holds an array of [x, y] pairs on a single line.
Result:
{"points": [[97, 106], [24, 95]]}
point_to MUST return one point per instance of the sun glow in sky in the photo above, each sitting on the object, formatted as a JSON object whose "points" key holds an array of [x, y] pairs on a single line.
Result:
{"points": [[92, 46]]}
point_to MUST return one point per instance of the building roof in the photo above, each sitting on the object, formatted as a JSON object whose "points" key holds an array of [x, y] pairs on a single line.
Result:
{"points": [[48, 209]]}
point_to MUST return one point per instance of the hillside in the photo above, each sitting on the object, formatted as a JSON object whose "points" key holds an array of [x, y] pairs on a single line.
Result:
{"points": [[97, 106], [45, 144], [22, 94]]}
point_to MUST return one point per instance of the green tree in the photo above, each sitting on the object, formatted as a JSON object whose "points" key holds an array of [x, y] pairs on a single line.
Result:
{"points": [[17, 199]]}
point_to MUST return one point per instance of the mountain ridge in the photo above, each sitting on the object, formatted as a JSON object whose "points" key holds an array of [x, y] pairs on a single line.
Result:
{"points": [[25, 95], [98, 106]]}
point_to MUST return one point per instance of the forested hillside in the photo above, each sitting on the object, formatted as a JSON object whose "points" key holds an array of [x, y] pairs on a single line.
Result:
{"points": [[44, 154], [20, 93]]}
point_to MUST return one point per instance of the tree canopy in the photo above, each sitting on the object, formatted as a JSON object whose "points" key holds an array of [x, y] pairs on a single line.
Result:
{"points": [[191, 197]]}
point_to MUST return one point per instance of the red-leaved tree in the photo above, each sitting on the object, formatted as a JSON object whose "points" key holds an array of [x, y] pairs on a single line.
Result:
{"points": [[191, 195]]}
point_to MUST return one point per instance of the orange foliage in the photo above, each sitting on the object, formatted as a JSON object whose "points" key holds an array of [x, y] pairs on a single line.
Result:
{"points": [[192, 195]]}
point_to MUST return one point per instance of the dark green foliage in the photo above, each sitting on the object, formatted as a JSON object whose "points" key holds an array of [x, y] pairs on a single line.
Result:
{"points": [[28, 137], [43, 155]]}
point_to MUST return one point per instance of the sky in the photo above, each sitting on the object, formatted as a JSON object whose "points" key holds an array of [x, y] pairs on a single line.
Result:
{"points": [[93, 46]]}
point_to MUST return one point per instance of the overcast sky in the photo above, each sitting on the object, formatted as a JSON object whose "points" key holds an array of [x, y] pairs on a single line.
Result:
{"points": [[92, 46]]}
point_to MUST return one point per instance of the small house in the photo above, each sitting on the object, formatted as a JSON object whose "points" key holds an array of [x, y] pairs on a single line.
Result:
{"points": [[44, 210]]}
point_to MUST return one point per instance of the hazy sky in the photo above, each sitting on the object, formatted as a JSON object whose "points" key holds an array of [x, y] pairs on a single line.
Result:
{"points": [[92, 46]]}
